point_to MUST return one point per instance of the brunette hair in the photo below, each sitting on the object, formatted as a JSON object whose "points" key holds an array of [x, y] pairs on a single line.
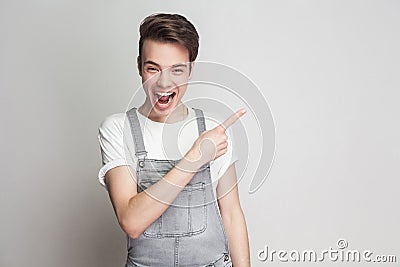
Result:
{"points": [[172, 28]]}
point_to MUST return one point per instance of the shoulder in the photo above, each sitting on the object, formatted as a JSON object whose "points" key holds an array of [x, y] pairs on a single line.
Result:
{"points": [[211, 119], [113, 123]]}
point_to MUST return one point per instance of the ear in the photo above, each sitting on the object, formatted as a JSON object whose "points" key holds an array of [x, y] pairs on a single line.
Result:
{"points": [[139, 65], [191, 69]]}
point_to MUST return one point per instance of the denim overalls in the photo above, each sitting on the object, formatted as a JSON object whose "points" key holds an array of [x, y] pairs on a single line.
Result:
{"points": [[190, 232]]}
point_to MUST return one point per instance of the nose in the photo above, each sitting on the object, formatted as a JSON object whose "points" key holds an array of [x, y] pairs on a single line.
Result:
{"points": [[164, 80]]}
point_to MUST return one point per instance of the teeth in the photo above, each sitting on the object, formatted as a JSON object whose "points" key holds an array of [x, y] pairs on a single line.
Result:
{"points": [[164, 94]]}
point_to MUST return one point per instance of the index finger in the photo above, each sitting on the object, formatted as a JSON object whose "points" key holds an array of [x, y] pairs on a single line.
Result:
{"points": [[233, 118]]}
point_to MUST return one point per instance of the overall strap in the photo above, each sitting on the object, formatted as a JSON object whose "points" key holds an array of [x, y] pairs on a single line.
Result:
{"points": [[136, 133], [201, 125]]}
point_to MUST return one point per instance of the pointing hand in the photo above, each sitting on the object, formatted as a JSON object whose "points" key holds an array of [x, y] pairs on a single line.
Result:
{"points": [[213, 143]]}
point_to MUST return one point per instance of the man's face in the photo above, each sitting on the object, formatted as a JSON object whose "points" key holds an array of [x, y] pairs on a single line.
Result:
{"points": [[165, 71]]}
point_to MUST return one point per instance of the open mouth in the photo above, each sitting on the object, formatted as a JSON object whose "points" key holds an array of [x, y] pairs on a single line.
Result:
{"points": [[164, 98]]}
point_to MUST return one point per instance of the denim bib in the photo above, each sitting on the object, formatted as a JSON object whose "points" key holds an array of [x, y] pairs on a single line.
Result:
{"points": [[190, 231]]}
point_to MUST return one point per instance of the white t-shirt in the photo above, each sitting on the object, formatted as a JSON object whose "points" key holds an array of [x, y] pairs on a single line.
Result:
{"points": [[161, 140]]}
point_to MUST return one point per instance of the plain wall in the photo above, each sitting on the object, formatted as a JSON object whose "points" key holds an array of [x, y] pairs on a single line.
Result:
{"points": [[330, 73]]}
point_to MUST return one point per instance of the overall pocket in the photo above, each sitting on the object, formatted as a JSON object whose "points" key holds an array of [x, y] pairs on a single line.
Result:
{"points": [[186, 216]]}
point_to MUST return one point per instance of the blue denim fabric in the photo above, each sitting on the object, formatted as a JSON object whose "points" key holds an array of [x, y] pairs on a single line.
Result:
{"points": [[190, 232]]}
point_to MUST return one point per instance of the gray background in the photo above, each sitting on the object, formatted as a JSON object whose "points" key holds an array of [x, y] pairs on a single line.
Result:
{"points": [[330, 73]]}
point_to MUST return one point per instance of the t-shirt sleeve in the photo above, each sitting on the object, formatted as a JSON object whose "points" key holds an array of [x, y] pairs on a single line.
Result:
{"points": [[230, 156], [110, 137], [221, 164]]}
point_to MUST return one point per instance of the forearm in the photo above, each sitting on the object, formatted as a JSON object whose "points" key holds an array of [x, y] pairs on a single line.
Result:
{"points": [[235, 226], [144, 208]]}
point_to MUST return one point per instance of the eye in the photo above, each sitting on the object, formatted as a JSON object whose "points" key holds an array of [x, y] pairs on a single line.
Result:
{"points": [[178, 70], [152, 69]]}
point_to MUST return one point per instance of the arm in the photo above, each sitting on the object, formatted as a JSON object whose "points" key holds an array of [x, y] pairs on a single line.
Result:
{"points": [[136, 211], [233, 218]]}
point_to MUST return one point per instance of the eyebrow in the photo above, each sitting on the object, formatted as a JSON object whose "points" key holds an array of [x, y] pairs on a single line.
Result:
{"points": [[158, 65]]}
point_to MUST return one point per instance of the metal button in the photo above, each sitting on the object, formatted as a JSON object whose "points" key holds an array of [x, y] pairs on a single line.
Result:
{"points": [[141, 164], [226, 258]]}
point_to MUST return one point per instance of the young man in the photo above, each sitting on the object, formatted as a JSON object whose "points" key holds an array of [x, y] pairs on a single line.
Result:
{"points": [[175, 212]]}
